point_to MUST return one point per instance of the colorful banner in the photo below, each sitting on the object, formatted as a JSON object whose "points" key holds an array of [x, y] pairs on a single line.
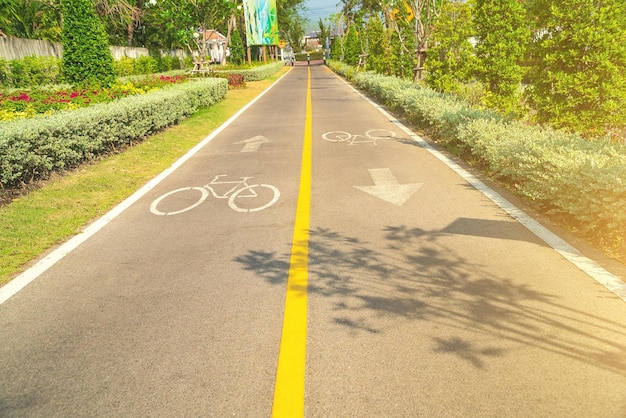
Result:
{"points": [[261, 22]]}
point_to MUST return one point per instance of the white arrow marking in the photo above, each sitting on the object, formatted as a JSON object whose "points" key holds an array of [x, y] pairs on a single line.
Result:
{"points": [[253, 144], [386, 187]]}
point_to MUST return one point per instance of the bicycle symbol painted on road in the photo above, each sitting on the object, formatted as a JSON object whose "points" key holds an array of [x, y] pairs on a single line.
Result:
{"points": [[370, 136], [241, 196]]}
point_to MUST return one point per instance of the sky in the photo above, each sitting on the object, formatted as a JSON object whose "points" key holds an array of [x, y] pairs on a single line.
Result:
{"points": [[319, 8]]}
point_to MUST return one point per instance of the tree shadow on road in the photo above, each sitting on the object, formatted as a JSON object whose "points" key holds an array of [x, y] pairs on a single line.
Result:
{"points": [[412, 275]]}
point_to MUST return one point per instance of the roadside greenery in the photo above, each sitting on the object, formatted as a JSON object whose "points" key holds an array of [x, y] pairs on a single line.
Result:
{"points": [[579, 182], [549, 62], [31, 149]]}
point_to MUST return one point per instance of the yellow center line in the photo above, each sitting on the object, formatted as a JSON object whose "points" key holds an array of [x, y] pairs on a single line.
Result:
{"points": [[289, 389]]}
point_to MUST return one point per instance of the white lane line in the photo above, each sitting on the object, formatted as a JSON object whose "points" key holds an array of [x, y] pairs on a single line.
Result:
{"points": [[21, 281], [588, 266]]}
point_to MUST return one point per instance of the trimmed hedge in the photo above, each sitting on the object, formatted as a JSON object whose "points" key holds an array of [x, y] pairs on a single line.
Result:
{"points": [[258, 73], [30, 149], [583, 181], [315, 56], [566, 174]]}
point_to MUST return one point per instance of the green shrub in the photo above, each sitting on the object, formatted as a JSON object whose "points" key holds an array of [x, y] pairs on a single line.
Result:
{"points": [[378, 58], [315, 56], [237, 49], [439, 114], [86, 56], [19, 73], [169, 63], [351, 46], [30, 149], [187, 62], [563, 172], [124, 67], [146, 65], [581, 181], [30, 71]]}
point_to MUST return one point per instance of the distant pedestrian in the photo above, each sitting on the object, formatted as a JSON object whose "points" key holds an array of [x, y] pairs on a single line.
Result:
{"points": [[308, 58]]}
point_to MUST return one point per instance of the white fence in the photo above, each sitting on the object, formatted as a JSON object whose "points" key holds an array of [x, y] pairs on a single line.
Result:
{"points": [[16, 48]]}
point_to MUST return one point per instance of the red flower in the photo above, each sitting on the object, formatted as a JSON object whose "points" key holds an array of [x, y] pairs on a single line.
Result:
{"points": [[22, 96]]}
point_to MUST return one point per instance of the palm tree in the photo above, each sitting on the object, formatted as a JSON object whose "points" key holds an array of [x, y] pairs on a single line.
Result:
{"points": [[31, 19], [121, 16]]}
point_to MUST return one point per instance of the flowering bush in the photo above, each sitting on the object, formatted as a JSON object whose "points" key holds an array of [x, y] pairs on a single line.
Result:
{"points": [[29, 103]]}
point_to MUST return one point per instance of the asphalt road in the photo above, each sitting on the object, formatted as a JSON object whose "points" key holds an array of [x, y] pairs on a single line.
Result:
{"points": [[408, 291]]}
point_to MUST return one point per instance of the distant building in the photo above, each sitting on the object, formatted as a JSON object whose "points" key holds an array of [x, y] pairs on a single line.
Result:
{"points": [[216, 45], [314, 43]]}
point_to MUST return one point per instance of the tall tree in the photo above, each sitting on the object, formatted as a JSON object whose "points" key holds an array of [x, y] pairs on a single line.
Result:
{"points": [[122, 18], [31, 19], [8, 9], [190, 20], [325, 31], [402, 48], [451, 59], [237, 50], [287, 10], [291, 23], [502, 36], [412, 21], [424, 13], [351, 46], [578, 76], [294, 33], [378, 51], [86, 55]]}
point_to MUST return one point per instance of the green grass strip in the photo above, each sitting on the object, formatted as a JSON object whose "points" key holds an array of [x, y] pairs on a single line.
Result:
{"points": [[34, 224]]}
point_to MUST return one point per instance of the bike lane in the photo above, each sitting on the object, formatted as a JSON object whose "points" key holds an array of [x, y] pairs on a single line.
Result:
{"points": [[426, 299], [165, 314]]}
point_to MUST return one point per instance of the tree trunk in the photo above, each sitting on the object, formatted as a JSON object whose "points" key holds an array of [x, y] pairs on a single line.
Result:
{"points": [[232, 23]]}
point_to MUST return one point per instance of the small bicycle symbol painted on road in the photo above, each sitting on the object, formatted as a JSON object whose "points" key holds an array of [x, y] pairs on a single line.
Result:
{"points": [[370, 136], [242, 197]]}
